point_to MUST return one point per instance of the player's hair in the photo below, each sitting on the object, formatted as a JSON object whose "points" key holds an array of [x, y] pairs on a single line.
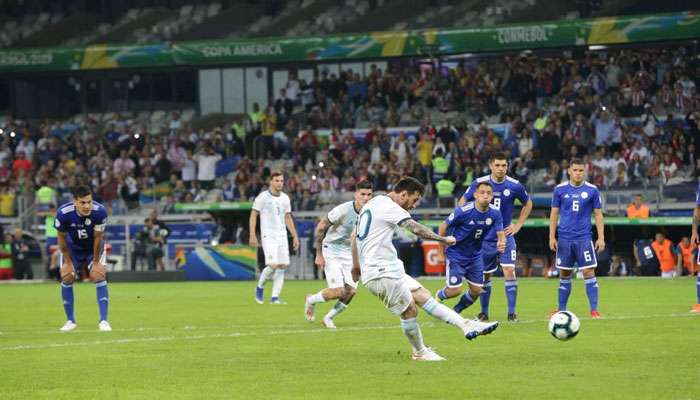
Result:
{"points": [[576, 161], [410, 185], [364, 184], [499, 155], [275, 174], [480, 184], [79, 191]]}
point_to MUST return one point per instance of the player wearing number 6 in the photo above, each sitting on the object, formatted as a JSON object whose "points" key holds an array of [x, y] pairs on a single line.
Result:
{"points": [[573, 203], [505, 191]]}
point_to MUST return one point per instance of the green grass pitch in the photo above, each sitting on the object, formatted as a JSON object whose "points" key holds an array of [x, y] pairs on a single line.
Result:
{"points": [[211, 340]]}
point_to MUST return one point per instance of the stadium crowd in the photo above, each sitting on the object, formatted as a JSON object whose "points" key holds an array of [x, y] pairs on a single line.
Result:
{"points": [[631, 114]]}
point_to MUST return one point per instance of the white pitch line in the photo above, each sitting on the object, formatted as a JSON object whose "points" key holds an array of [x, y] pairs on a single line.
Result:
{"points": [[293, 332]]}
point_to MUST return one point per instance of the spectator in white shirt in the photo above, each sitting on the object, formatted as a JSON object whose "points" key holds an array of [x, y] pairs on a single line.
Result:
{"points": [[206, 167], [189, 170], [123, 165]]}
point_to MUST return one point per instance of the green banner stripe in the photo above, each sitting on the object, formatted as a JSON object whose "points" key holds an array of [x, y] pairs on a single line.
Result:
{"points": [[221, 206], [369, 45]]}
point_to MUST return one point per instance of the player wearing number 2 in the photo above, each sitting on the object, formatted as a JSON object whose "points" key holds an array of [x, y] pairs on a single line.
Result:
{"points": [[573, 203], [505, 191]]}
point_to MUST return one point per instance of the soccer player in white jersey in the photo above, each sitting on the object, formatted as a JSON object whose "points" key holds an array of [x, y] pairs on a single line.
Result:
{"points": [[275, 212], [374, 258], [333, 254]]}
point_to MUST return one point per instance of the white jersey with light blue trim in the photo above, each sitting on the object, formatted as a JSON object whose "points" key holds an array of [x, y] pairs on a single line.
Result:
{"points": [[375, 229], [81, 230], [342, 218]]}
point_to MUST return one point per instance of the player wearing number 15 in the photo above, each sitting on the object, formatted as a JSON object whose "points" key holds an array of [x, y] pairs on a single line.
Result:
{"points": [[573, 203], [81, 226]]}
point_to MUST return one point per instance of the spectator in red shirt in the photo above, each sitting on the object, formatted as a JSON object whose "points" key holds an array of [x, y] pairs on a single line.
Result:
{"points": [[21, 166]]}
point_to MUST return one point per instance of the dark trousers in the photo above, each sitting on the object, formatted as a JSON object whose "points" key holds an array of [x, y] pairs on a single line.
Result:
{"points": [[22, 269]]}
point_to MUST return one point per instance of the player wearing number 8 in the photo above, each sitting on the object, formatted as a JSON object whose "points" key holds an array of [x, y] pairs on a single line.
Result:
{"points": [[573, 203]]}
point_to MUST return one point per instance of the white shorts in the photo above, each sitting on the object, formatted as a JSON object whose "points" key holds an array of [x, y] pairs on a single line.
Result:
{"points": [[338, 273], [394, 293], [669, 274], [276, 249]]}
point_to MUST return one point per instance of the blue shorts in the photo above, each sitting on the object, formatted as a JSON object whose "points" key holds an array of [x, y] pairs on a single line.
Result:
{"points": [[576, 252], [492, 258], [82, 258], [472, 272]]}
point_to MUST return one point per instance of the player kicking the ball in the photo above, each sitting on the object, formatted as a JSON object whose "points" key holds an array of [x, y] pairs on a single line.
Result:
{"points": [[375, 259]]}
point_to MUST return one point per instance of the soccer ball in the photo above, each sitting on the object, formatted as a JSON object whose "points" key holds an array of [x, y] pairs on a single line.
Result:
{"points": [[564, 325]]}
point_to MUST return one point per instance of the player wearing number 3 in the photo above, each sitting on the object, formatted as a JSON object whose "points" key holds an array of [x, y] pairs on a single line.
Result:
{"points": [[575, 201]]}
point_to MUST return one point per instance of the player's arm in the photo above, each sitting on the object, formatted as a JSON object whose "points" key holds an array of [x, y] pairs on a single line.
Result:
{"points": [[696, 222], [468, 195], [600, 228], [553, 221], [355, 272], [425, 232], [501, 243], [320, 234], [442, 230], [67, 269], [253, 225], [512, 229], [289, 221], [98, 271]]}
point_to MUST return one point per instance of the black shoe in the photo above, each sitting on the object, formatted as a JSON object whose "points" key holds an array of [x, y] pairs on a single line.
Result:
{"points": [[512, 317], [482, 317]]}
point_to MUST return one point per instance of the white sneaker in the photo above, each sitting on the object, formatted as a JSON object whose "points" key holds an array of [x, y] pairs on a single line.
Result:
{"points": [[474, 328], [427, 354], [278, 301], [104, 326], [68, 326], [309, 309], [328, 323]]}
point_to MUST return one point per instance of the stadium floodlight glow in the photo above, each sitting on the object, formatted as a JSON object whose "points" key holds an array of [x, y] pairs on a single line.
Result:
{"points": [[136, 135], [321, 164], [1, 131], [13, 134], [597, 47]]}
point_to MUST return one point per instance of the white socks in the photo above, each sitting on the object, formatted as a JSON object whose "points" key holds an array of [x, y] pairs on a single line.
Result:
{"points": [[316, 298], [412, 331], [337, 309], [265, 275], [443, 313], [277, 282]]}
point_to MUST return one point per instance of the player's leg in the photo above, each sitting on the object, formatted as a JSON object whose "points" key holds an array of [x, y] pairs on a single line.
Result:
{"points": [[335, 289], [474, 275], [269, 253], [508, 258], [280, 269], [453, 286], [564, 262], [490, 266], [587, 263], [696, 307], [398, 300], [100, 279], [349, 290], [67, 279]]}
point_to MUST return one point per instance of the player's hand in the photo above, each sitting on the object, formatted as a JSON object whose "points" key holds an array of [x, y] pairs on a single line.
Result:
{"points": [[450, 240], [67, 271], [295, 243], [98, 271], [501, 246], [512, 229], [253, 242], [694, 238], [320, 261], [553, 244], [355, 272], [599, 245]]}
